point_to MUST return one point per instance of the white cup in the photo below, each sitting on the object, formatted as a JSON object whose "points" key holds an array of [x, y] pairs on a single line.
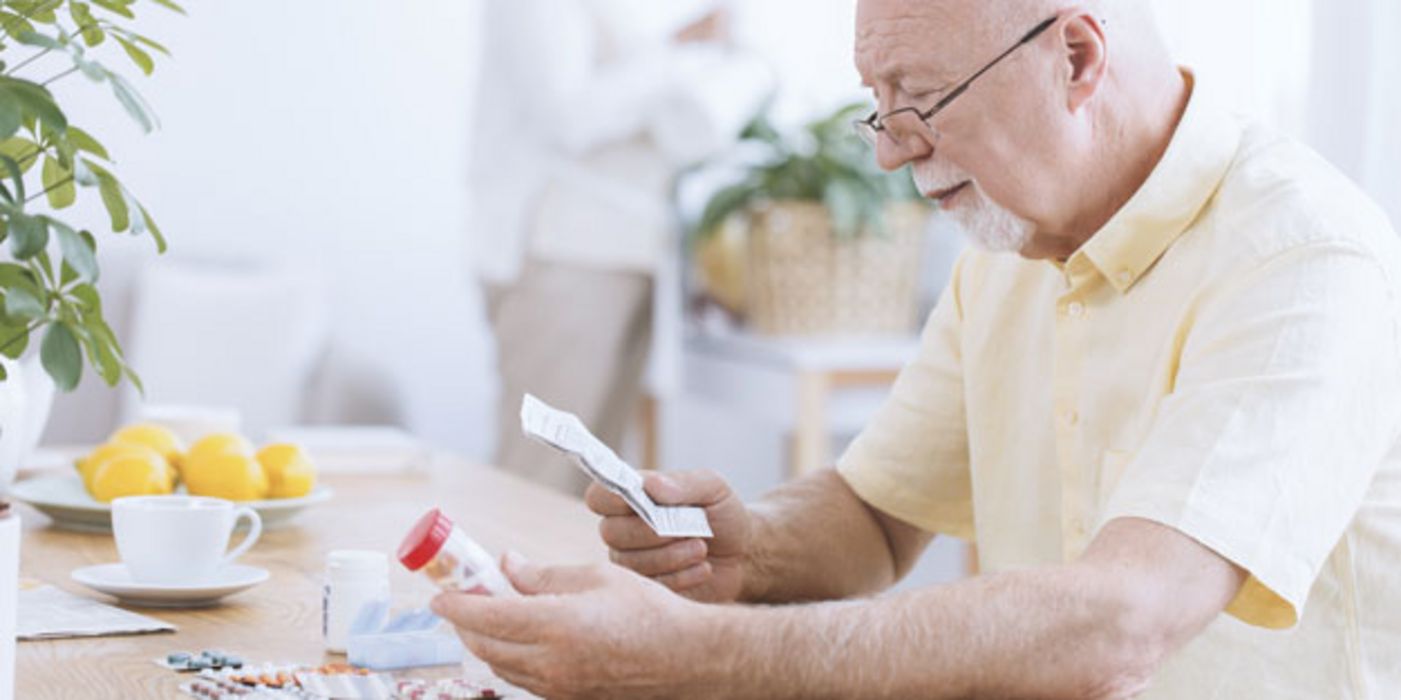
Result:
{"points": [[179, 540]]}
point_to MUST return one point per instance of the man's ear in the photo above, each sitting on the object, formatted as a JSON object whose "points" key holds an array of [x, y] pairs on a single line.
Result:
{"points": [[1087, 58]]}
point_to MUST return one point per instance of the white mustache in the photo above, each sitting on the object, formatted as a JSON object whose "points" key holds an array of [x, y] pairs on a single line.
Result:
{"points": [[938, 177]]}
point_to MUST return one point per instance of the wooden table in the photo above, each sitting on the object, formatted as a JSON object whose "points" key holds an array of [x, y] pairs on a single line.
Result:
{"points": [[280, 620]]}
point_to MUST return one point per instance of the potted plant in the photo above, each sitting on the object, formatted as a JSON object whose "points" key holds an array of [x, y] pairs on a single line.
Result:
{"points": [[812, 238], [48, 266]]}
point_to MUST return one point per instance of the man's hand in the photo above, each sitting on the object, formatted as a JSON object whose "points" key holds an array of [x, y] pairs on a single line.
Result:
{"points": [[579, 632], [705, 570]]}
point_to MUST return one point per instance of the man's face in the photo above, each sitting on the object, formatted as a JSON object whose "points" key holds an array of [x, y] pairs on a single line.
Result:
{"points": [[978, 158]]}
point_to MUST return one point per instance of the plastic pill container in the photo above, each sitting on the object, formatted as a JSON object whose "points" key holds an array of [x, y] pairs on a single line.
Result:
{"points": [[446, 555], [354, 578]]}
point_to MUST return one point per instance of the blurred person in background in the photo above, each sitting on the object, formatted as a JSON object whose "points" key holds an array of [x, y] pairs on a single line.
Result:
{"points": [[587, 109]]}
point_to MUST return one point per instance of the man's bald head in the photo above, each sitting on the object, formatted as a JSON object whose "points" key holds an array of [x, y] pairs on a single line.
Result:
{"points": [[1045, 116], [990, 20]]}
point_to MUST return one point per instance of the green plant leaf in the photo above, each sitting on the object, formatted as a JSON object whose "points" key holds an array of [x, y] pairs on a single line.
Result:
{"points": [[61, 356], [15, 25], [14, 332], [140, 58], [115, 203], [727, 201], [101, 356], [153, 229], [45, 267], [134, 378], [21, 304], [58, 184], [14, 338], [82, 16], [23, 151], [16, 174], [10, 116], [147, 41], [138, 221], [66, 274], [112, 196], [115, 7], [101, 343], [168, 4], [28, 235], [84, 141], [15, 275], [79, 252], [92, 69], [36, 99], [87, 295], [83, 175], [37, 39], [41, 11], [132, 102]]}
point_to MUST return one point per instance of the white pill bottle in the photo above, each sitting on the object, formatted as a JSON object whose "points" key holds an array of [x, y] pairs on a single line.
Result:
{"points": [[353, 578]]}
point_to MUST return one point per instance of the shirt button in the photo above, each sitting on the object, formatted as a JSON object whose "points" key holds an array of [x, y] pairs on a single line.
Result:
{"points": [[1125, 277], [1075, 309], [1071, 417]]}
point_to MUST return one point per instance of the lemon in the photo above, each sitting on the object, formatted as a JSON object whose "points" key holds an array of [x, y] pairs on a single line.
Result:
{"points": [[290, 473], [219, 443], [227, 474], [88, 464], [157, 437], [223, 465], [131, 474]]}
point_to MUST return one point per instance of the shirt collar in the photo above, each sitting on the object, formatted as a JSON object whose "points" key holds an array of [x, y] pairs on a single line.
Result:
{"points": [[1184, 180]]}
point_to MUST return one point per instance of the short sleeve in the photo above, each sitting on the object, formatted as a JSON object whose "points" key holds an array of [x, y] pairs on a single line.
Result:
{"points": [[911, 461], [1284, 404]]}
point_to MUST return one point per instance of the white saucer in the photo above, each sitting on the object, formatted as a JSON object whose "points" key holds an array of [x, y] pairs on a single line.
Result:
{"points": [[63, 498], [115, 580]]}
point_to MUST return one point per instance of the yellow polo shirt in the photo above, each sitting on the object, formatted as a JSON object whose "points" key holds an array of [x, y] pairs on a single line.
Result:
{"points": [[1223, 358]]}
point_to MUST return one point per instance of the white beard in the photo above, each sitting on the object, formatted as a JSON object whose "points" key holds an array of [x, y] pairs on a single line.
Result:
{"points": [[991, 227], [987, 225]]}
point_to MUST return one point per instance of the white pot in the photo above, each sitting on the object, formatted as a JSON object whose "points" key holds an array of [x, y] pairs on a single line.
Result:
{"points": [[25, 399], [9, 591]]}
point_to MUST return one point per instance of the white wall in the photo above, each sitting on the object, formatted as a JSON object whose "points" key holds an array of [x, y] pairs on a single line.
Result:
{"points": [[331, 135], [325, 135]]}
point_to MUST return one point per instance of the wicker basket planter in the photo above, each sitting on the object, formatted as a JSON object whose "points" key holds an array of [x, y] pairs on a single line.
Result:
{"points": [[801, 279]]}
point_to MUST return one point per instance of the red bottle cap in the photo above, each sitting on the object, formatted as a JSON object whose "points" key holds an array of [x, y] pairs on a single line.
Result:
{"points": [[425, 540]]}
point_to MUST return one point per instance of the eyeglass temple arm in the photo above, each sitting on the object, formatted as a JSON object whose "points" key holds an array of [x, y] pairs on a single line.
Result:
{"points": [[1035, 32]]}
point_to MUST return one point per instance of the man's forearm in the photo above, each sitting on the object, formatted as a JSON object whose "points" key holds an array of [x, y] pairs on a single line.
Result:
{"points": [[815, 540], [1061, 632]]}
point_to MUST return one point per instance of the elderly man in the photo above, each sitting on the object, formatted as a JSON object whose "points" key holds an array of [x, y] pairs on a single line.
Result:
{"points": [[1170, 424]]}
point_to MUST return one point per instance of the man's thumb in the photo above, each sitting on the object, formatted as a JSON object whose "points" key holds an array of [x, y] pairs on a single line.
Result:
{"points": [[531, 579], [690, 488]]}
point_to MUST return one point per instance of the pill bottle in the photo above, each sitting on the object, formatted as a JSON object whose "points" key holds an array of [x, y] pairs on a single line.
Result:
{"points": [[353, 578], [447, 556]]}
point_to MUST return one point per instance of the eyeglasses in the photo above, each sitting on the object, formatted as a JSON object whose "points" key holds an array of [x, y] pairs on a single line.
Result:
{"points": [[870, 128]]}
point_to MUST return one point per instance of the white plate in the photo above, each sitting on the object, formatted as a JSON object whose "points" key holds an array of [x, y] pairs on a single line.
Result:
{"points": [[63, 498], [115, 580]]}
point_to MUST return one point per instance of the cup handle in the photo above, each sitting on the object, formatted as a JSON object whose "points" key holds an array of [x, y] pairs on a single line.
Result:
{"points": [[254, 531]]}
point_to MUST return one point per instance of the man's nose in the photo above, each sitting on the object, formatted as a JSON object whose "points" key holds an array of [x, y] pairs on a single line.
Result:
{"points": [[894, 148]]}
